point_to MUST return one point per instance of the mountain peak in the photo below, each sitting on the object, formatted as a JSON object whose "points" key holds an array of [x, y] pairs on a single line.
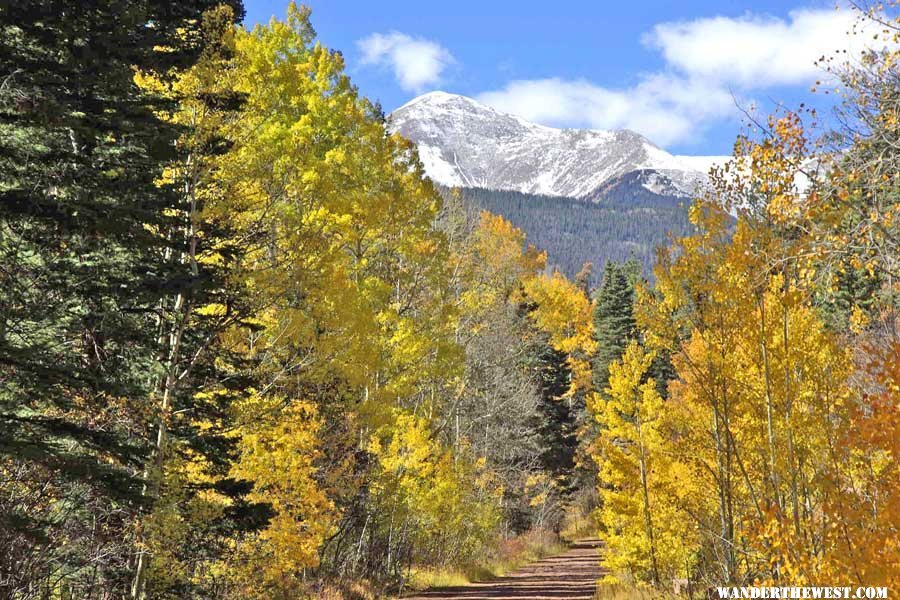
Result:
{"points": [[434, 104], [438, 96], [464, 143]]}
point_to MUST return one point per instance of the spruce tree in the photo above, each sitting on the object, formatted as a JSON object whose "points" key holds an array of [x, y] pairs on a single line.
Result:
{"points": [[83, 266], [615, 327], [558, 426], [852, 288], [614, 323], [557, 416]]}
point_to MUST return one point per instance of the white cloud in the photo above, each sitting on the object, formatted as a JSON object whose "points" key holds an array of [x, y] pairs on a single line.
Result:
{"points": [[664, 108], [757, 51], [708, 62], [416, 62]]}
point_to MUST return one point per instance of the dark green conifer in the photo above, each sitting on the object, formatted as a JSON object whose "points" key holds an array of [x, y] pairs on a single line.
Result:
{"points": [[614, 323], [83, 266]]}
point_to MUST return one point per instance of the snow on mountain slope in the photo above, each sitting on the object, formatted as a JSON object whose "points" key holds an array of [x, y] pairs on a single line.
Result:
{"points": [[465, 143]]}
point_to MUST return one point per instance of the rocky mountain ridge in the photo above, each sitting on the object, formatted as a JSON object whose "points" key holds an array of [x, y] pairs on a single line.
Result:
{"points": [[463, 143]]}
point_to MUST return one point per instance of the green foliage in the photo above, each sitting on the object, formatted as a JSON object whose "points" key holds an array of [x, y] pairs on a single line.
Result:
{"points": [[575, 231], [614, 324], [84, 220], [558, 417]]}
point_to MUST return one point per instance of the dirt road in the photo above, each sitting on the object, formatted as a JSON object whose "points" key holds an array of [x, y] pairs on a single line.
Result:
{"points": [[569, 576]]}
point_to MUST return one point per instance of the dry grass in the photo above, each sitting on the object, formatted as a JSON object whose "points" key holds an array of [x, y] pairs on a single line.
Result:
{"points": [[509, 555], [427, 578], [506, 557], [628, 591], [358, 590], [606, 591]]}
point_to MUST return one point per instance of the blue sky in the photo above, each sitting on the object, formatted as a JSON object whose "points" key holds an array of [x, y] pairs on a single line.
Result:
{"points": [[671, 70]]}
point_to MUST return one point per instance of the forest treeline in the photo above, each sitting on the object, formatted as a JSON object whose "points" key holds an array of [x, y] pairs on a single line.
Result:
{"points": [[247, 350], [628, 222]]}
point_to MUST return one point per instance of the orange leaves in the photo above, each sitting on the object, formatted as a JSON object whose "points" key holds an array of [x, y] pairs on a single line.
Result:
{"points": [[501, 248], [866, 503]]}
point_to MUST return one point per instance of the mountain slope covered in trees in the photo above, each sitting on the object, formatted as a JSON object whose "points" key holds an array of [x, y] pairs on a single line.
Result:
{"points": [[629, 222]]}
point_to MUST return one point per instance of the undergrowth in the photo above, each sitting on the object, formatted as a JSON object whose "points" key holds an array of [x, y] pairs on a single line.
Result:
{"points": [[508, 556]]}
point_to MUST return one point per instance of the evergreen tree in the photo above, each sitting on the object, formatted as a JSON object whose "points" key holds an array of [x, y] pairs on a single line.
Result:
{"points": [[852, 289], [556, 421], [573, 230], [83, 249], [558, 426], [614, 323]]}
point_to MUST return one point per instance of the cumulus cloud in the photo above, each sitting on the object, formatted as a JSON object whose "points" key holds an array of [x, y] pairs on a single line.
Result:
{"points": [[416, 62], [757, 51], [665, 108], [708, 63]]}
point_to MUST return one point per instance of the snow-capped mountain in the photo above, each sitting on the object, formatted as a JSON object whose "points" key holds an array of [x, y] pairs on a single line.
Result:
{"points": [[463, 143]]}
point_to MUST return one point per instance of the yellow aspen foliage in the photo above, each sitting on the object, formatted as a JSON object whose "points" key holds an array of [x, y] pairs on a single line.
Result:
{"points": [[493, 264], [449, 504], [344, 249], [757, 416], [564, 312], [646, 538], [333, 249], [501, 248], [279, 449], [188, 506], [543, 496], [762, 397]]}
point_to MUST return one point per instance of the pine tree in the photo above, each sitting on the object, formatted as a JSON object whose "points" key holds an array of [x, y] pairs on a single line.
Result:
{"points": [[614, 323], [561, 315], [82, 249], [852, 290], [557, 419], [203, 375]]}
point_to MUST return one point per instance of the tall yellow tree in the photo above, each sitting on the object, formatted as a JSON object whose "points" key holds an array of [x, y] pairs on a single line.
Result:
{"points": [[351, 281], [646, 537], [280, 450]]}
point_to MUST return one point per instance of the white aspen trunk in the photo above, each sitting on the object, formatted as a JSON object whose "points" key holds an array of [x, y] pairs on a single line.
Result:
{"points": [[181, 310], [648, 517]]}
